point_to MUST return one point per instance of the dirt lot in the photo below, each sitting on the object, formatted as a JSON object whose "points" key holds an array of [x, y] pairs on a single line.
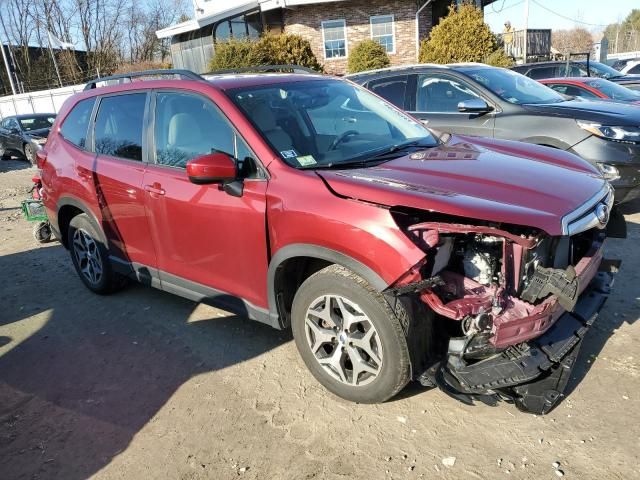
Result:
{"points": [[144, 384]]}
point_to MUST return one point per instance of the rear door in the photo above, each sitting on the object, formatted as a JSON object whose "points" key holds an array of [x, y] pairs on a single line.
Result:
{"points": [[209, 242], [118, 172], [435, 102], [13, 135]]}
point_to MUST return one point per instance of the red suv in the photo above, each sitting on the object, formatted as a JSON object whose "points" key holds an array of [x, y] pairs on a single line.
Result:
{"points": [[307, 202]]}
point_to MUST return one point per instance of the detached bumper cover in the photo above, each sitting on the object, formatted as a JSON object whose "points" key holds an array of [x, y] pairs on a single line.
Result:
{"points": [[532, 374]]}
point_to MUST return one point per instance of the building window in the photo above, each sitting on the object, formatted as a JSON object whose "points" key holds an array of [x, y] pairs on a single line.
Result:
{"points": [[382, 31], [334, 36]]}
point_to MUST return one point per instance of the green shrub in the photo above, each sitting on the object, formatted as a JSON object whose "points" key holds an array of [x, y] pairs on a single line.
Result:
{"points": [[367, 55], [462, 36], [498, 58], [236, 54], [269, 50], [287, 50]]}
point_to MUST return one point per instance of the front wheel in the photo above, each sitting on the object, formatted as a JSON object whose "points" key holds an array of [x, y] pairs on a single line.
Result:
{"points": [[349, 337], [30, 153]]}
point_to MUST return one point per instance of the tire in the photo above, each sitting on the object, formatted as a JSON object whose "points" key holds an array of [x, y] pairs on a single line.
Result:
{"points": [[90, 256], [29, 153], [371, 366], [42, 232]]}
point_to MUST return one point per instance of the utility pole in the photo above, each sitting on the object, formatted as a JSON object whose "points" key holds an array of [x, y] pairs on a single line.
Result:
{"points": [[526, 28], [6, 64]]}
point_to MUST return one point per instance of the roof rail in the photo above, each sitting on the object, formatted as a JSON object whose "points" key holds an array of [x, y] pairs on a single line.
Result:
{"points": [[122, 77], [264, 69]]}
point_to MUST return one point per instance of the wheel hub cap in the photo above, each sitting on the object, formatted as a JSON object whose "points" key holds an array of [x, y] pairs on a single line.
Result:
{"points": [[343, 340], [87, 255]]}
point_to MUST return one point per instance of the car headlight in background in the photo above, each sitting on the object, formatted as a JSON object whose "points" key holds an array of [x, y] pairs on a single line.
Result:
{"points": [[609, 172], [618, 134]]}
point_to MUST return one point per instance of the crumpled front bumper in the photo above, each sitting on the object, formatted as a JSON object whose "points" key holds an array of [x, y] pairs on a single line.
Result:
{"points": [[533, 374]]}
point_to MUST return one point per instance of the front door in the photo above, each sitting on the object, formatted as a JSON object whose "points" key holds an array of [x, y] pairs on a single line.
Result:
{"points": [[436, 104], [209, 243]]}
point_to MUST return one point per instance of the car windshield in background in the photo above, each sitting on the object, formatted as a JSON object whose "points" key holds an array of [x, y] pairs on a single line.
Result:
{"points": [[320, 123], [29, 124], [512, 86], [597, 69], [613, 90]]}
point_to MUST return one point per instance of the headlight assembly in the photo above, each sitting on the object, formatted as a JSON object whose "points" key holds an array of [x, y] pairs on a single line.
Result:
{"points": [[617, 134]]}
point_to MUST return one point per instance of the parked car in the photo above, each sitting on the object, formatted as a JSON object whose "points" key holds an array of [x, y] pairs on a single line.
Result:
{"points": [[577, 68], [476, 99], [632, 67], [306, 202], [24, 135], [590, 88]]}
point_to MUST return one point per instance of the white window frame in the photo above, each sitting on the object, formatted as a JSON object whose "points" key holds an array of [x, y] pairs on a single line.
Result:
{"points": [[393, 29], [346, 40]]}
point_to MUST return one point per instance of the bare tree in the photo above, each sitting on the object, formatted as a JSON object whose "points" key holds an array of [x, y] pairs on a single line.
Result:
{"points": [[576, 40]]}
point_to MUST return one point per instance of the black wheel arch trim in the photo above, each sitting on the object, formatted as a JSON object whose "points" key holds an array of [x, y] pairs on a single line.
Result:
{"points": [[322, 253], [74, 202]]}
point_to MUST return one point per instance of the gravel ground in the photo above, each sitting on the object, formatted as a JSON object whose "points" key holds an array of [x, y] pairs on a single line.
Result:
{"points": [[143, 384]]}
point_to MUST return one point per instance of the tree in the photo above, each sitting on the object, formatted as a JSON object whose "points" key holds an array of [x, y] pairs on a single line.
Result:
{"points": [[624, 36], [368, 55], [576, 40], [462, 36]]}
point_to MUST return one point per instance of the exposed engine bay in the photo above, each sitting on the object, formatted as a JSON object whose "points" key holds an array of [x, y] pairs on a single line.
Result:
{"points": [[499, 287]]}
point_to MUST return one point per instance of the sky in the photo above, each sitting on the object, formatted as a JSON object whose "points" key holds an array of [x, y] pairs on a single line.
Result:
{"points": [[594, 15]]}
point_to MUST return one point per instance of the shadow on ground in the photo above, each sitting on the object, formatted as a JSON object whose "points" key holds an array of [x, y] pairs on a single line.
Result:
{"points": [[92, 371]]}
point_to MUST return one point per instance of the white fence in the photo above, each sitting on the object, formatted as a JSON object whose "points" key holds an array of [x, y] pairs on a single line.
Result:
{"points": [[43, 101]]}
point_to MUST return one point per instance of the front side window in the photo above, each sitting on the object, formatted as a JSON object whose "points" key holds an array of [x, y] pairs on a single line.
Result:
{"points": [[119, 126], [392, 89], [75, 126], [382, 31], [188, 126], [315, 123], [334, 34], [441, 94]]}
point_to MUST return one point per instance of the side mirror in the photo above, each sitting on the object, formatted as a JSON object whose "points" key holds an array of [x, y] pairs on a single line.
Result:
{"points": [[211, 168], [474, 105]]}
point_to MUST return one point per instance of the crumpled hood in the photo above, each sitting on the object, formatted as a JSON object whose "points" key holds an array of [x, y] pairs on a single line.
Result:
{"points": [[484, 179], [606, 113], [40, 133]]}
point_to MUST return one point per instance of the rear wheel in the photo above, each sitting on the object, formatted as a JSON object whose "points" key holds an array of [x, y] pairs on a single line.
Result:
{"points": [[90, 256], [349, 337], [42, 232]]}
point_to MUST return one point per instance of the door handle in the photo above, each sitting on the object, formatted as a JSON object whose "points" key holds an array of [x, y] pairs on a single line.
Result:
{"points": [[156, 189]]}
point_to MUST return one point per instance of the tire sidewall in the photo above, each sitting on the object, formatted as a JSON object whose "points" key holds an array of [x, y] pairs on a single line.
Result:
{"points": [[394, 373], [30, 153], [83, 222]]}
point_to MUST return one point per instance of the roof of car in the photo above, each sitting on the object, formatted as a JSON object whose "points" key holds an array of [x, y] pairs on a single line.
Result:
{"points": [[30, 115], [571, 79], [419, 66]]}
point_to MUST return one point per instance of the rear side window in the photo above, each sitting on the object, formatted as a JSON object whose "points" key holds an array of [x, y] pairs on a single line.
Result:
{"points": [[635, 70], [119, 126], [74, 128], [542, 72], [392, 89]]}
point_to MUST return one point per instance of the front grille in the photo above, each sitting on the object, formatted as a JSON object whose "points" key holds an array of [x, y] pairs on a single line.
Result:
{"points": [[594, 213]]}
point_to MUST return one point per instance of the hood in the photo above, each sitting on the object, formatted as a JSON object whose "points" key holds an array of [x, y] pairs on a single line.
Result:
{"points": [[484, 179], [40, 133], [605, 112]]}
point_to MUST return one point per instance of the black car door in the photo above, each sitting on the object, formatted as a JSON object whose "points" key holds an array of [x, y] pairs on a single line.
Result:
{"points": [[13, 135], [434, 100]]}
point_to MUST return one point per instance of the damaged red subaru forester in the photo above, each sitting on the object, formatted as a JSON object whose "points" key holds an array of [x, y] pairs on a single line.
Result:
{"points": [[307, 202]]}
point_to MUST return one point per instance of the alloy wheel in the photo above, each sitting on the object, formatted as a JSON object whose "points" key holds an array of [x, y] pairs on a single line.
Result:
{"points": [[88, 256], [343, 340]]}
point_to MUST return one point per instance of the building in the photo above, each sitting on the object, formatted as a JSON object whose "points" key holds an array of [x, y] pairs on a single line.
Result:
{"points": [[332, 26]]}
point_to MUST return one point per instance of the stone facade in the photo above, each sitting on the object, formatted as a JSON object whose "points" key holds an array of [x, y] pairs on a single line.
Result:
{"points": [[307, 21]]}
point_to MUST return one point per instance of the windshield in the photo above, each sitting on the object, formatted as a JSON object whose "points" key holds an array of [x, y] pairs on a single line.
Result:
{"points": [[613, 90], [512, 86], [36, 123], [597, 69], [324, 122]]}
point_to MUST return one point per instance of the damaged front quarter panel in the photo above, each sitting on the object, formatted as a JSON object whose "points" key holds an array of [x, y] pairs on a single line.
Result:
{"points": [[507, 289]]}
